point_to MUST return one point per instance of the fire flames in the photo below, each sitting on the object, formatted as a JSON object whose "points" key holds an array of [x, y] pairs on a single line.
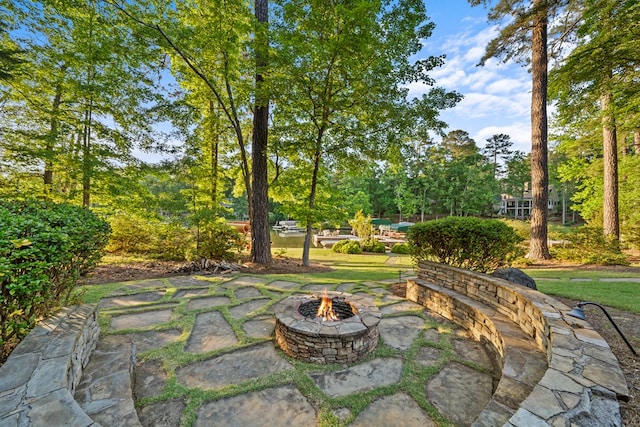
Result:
{"points": [[325, 311]]}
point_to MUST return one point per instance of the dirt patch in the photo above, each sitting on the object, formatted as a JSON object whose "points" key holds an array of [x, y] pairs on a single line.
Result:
{"points": [[110, 273]]}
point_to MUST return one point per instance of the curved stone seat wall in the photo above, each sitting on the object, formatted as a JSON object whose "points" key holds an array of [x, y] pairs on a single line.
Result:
{"points": [[39, 378], [582, 381]]}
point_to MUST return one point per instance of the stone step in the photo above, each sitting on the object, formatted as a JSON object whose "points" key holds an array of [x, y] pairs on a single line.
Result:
{"points": [[523, 364], [105, 392]]}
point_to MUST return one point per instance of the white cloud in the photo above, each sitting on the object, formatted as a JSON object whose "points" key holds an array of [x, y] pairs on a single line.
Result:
{"points": [[496, 95], [520, 133]]}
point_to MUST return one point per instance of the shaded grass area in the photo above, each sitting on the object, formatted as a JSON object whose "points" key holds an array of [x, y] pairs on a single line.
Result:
{"points": [[590, 286]]}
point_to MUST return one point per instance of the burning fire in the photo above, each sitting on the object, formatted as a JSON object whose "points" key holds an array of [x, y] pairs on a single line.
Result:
{"points": [[325, 311]]}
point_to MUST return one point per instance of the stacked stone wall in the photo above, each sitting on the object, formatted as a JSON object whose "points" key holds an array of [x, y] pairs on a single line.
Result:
{"points": [[39, 378], [582, 382]]}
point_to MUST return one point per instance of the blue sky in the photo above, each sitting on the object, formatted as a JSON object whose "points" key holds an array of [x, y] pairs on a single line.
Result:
{"points": [[497, 96]]}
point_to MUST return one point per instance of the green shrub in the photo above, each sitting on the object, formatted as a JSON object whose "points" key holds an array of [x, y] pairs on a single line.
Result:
{"points": [[44, 248], [134, 234], [361, 225], [347, 247], [401, 248], [588, 245], [373, 245], [472, 243], [217, 240]]}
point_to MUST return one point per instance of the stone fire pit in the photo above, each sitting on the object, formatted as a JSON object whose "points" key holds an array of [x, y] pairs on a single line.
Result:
{"points": [[302, 335]]}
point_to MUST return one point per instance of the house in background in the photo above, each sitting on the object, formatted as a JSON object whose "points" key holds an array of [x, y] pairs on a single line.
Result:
{"points": [[520, 207]]}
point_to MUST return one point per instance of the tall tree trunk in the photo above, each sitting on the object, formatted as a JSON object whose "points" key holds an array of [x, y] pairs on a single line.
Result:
{"points": [[636, 141], [215, 143], [538, 248], [260, 237], [86, 157], [610, 220], [312, 199], [51, 141]]}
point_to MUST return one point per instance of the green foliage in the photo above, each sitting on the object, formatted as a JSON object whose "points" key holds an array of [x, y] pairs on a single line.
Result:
{"points": [[44, 248], [347, 247], [210, 238], [373, 245], [467, 242], [588, 245], [133, 234], [401, 248], [361, 225], [217, 240]]}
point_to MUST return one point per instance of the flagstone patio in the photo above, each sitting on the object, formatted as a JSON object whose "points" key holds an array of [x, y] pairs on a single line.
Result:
{"points": [[205, 355]]}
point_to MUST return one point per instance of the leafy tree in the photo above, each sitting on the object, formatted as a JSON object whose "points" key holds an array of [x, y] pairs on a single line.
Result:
{"points": [[75, 116], [340, 70], [260, 240], [210, 45], [470, 188], [497, 147], [10, 55], [600, 74], [527, 32]]}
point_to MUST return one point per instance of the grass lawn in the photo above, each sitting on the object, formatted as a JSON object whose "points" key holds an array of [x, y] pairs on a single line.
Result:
{"points": [[584, 285], [589, 286]]}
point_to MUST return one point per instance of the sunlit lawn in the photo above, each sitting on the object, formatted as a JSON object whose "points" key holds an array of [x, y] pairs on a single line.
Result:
{"points": [[349, 267], [587, 286], [570, 283]]}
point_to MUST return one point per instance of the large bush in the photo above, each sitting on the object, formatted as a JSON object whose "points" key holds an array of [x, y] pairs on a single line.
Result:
{"points": [[373, 245], [133, 234], [401, 248], [44, 248], [218, 240], [473, 243], [347, 247], [588, 245]]}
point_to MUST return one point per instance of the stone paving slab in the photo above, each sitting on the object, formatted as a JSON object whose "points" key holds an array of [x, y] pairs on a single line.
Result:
{"points": [[428, 356], [145, 284], [345, 287], [190, 282], [232, 368], [149, 379], [359, 378], [210, 332], [459, 392], [151, 340], [162, 414], [281, 284], [189, 293], [275, 407], [245, 281], [399, 332], [398, 409], [401, 307], [131, 300], [260, 327], [473, 351], [140, 320], [317, 288], [247, 292], [208, 302], [244, 309]]}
